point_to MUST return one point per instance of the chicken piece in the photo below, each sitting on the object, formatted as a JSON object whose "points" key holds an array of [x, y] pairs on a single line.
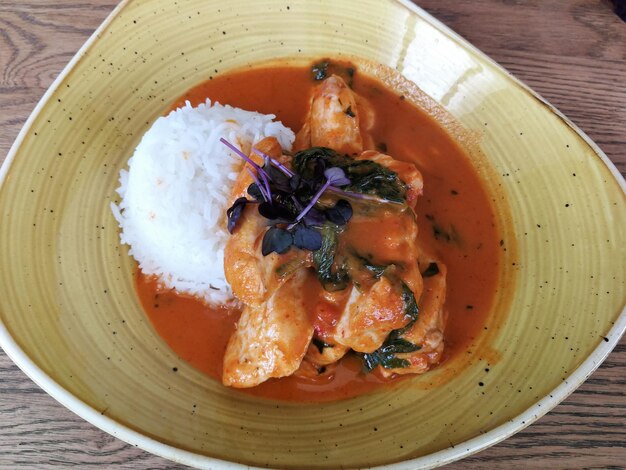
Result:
{"points": [[367, 120], [376, 305], [427, 331], [393, 233], [333, 119], [274, 329], [243, 263], [406, 171], [324, 352], [272, 338], [371, 315]]}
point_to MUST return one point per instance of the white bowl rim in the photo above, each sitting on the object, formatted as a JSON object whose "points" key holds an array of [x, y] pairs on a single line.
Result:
{"points": [[442, 457]]}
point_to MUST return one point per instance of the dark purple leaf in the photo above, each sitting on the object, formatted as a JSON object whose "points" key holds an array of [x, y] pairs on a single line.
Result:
{"points": [[314, 218], [307, 238], [255, 191], [336, 176], [279, 180], [267, 210], [276, 239], [265, 196], [341, 213], [234, 212], [294, 182], [276, 211], [295, 202], [285, 212], [312, 203]]}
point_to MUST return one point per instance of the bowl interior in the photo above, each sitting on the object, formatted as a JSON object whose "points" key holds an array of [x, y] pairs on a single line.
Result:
{"points": [[69, 301]]}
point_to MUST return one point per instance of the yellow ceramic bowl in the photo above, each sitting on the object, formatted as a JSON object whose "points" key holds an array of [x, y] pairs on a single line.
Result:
{"points": [[70, 319]]}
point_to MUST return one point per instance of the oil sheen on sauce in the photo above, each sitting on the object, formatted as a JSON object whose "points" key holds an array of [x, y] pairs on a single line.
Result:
{"points": [[455, 220]]}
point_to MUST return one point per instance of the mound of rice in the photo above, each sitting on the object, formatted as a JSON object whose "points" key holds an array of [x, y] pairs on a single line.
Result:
{"points": [[175, 194]]}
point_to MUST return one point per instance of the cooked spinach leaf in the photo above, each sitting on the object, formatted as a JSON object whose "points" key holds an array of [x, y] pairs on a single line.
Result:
{"points": [[324, 259], [431, 270], [385, 356], [410, 304], [319, 71], [325, 68], [377, 270], [449, 236], [366, 176], [321, 345]]}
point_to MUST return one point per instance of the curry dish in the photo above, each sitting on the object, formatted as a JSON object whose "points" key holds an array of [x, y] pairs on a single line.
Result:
{"points": [[366, 253]]}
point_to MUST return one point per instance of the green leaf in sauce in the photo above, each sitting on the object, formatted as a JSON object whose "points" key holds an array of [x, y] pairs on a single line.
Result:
{"points": [[376, 270], [332, 278], [385, 356], [431, 270], [446, 235], [326, 67], [321, 345], [366, 176], [319, 71]]}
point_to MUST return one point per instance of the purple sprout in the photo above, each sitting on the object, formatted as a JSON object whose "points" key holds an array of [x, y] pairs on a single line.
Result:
{"points": [[258, 169], [274, 162]]}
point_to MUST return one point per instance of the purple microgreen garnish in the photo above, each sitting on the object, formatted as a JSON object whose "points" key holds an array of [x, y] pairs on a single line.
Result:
{"points": [[258, 185], [341, 213], [241, 154], [287, 198], [294, 182], [296, 203], [276, 239], [336, 176], [266, 183], [311, 204], [258, 169], [274, 162], [256, 192], [234, 212], [307, 238], [267, 210], [314, 218], [279, 180], [276, 211]]}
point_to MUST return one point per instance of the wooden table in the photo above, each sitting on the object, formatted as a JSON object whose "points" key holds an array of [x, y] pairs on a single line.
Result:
{"points": [[573, 52]]}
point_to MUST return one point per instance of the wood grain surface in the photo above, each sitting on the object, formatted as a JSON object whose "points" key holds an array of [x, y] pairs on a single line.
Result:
{"points": [[573, 52]]}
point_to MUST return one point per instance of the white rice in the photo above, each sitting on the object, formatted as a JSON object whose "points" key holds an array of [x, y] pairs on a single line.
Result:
{"points": [[175, 194]]}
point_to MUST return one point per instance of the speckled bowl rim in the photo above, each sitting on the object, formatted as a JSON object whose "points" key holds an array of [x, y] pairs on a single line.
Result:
{"points": [[451, 454]]}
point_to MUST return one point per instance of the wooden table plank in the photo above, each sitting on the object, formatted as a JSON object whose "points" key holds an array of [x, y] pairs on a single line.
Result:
{"points": [[572, 52]]}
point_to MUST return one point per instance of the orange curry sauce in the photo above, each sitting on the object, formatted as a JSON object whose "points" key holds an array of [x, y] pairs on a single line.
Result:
{"points": [[454, 215]]}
